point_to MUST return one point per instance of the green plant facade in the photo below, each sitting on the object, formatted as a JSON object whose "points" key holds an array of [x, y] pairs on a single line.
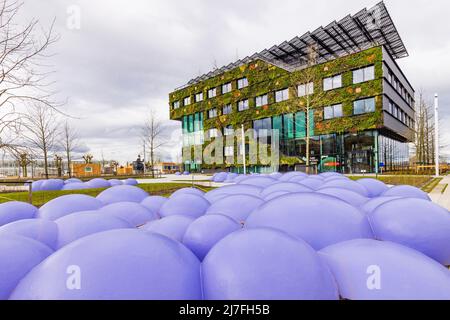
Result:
{"points": [[266, 78]]}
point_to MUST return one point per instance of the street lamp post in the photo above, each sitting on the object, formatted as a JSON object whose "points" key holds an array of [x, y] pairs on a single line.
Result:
{"points": [[436, 133]]}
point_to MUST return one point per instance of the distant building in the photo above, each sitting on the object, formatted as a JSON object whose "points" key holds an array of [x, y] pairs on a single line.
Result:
{"points": [[86, 169], [362, 121], [167, 167]]}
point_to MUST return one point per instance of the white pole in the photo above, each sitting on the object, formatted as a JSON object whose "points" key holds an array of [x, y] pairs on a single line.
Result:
{"points": [[243, 149], [436, 132]]}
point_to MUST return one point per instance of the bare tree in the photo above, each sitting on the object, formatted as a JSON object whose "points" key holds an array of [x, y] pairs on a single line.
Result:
{"points": [[41, 131], [69, 142], [153, 137], [23, 73], [309, 96]]}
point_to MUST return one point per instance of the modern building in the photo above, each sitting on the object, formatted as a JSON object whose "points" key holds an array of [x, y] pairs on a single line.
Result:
{"points": [[339, 85]]}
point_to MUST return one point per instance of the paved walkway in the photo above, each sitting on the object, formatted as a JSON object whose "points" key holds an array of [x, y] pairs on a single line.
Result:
{"points": [[440, 198]]}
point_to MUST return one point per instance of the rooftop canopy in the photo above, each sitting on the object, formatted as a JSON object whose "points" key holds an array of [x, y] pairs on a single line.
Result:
{"points": [[367, 28]]}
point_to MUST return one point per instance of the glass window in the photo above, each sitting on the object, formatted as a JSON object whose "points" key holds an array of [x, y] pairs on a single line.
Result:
{"points": [[305, 89], [229, 151], [213, 133], [364, 106], [228, 130], [199, 97], [288, 120], [212, 93], [261, 100], [262, 126], [191, 123], [364, 74], [391, 107], [300, 125], [243, 105], [332, 82], [227, 109], [176, 104], [277, 124], [332, 112], [187, 101], [226, 88], [281, 95], [242, 83], [212, 113]]}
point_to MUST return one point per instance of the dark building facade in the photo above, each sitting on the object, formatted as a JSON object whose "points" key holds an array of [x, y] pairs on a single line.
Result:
{"points": [[339, 85]]}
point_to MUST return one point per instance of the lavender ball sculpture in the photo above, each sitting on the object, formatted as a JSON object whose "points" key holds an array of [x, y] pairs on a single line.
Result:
{"points": [[238, 207], [377, 270], [122, 194], [117, 264], [416, 223], [321, 221], [173, 227], [42, 230], [203, 233], [68, 204], [406, 192], [154, 203], [242, 267], [16, 210], [133, 213], [186, 204], [18, 255]]}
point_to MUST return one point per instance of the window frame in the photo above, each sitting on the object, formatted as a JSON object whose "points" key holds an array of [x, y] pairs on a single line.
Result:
{"points": [[332, 79], [225, 85], [245, 83], [366, 111], [246, 104], [282, 92], [266, 96]]}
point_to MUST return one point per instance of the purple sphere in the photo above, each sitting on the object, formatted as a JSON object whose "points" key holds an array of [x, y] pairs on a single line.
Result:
{"points": [[75, 186], [36, 185], [98, 183], [116, 265], [72, 180], [18, 255], [131, 182], [284, 186], [415, 223], [311, 183], [115, 182], [133, 213], [265, 264], [347, 185], [219, 177], [154, 203], [377, 270], [173, 227], [203, 233], [15, 210], [374, 187], [64, 205], [238, 207], [372, 204], [44, 231], [318, 219], [81, 224], [406, 192], [353, 198], [218, 193], [274, 195], [257, 181], [186, 205], [52, 185], [122, 194], [195, 191], [288, 176]]}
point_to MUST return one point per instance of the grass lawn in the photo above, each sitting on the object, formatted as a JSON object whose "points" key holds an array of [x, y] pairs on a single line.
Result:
{"points": [[41, 197], [416, 181]]}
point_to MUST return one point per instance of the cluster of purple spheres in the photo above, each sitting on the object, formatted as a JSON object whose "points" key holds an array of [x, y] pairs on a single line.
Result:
{"points": [[281, 236], [77, 184]]}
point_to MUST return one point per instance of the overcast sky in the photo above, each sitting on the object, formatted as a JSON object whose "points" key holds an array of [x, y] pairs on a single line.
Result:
{"points": [[126, 56]]}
